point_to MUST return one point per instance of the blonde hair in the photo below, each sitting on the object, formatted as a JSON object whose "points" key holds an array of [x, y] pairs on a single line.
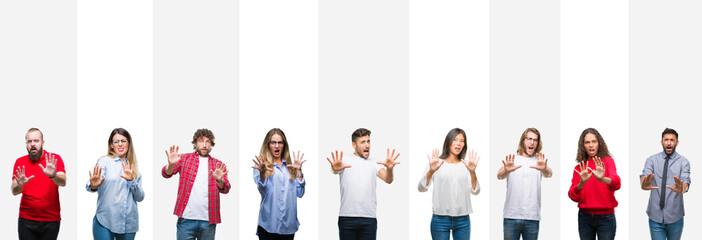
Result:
{"points": [[131, 156], [268, 156]]}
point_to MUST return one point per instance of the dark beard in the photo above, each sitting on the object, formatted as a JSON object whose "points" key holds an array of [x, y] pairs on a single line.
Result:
{"points": [[671, 153], [37, 156], [199, 152]]}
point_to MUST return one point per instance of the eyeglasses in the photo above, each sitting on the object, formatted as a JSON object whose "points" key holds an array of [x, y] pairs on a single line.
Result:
{"points": [[116, 141], [273, 143], [532, 139]]}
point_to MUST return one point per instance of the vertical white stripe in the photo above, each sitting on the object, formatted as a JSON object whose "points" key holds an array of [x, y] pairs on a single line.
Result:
{"points": [[449, 44], [594, 93], [114, 90], [278, 79]]}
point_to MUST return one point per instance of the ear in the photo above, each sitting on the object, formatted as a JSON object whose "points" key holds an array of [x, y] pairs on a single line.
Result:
{"points": [[353, 144]]}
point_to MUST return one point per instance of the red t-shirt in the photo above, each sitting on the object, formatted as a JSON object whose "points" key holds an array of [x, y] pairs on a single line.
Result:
{"points": [[40, 197]]}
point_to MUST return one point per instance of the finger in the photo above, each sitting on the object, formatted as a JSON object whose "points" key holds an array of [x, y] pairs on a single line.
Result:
{"points": [[330, 162], [212, 173], [345, 166], [504, 163], [42, 167], [335, 155], [30, 178], [303, 161], [545, 161], [225, 172], [671, 188], [398, 155], [654, 187], [514, 168], [388, 152], [576, 170], [303, 155], [342, 155]]}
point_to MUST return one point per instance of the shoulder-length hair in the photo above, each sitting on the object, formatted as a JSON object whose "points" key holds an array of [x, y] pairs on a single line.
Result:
{"points": [[131, 156], [602, 150], [520, 148], [446, 151], [268, 156]]}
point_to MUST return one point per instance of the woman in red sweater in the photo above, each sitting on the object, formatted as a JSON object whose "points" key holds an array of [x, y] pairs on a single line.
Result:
{"points": [[595, 197]]}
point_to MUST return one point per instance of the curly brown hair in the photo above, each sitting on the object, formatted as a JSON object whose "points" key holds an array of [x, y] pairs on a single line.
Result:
{"points": [[602, 150], [203, 132]]}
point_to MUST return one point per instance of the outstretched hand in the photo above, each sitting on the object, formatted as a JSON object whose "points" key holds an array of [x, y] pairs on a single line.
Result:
{"points": [[50, 169], [434, 161], [390, 162], [472, 162], [337, 164], [647, 182], [678, 188], [20, 178], [95, 179], [509, 163]]}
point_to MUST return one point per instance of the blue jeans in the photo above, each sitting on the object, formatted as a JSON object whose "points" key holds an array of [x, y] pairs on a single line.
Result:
{"points": [[663, 231], [102, 233], [357, 228], [442, 226], [195, 229], [591, 225], [513, 228]]}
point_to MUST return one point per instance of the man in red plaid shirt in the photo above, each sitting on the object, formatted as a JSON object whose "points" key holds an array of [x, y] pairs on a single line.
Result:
{"points": [[197, 206]]}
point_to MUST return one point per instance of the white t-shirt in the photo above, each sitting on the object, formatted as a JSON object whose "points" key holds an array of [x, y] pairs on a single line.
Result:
{"points": [[452, 189], [357, 185], [197, 203], [523, 199]]}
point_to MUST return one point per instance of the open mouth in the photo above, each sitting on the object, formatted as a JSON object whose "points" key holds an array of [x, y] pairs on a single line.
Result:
{"points": [[276, 152], [120, 149], [366, 151]]}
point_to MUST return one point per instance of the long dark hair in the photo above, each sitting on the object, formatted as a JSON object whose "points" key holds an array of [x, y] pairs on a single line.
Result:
{"points": [[602, 150], [449, 139]]}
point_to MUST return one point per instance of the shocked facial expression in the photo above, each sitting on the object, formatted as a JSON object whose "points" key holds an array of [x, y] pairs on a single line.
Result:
{"points": [[276, 145], [362, 146], [669, 142], [459, 142], [120, 145], [531, 141], [203, 146], [35, 145], [591, 145]]}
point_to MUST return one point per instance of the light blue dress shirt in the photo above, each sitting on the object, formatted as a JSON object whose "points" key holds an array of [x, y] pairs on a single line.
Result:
{"points": [[674, 209], [117, 198], [278, 212]]}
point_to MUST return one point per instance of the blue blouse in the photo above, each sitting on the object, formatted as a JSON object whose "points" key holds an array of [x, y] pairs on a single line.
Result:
{"points": [[278, 212], [117, 198]]}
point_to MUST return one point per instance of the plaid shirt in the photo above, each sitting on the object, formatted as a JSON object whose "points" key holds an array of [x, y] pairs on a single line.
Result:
{"points": [[187, 167]]}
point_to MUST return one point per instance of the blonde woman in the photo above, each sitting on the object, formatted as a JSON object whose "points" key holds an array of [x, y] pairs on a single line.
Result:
{"points": [[454, 181], [118, 183], [280, 182]]}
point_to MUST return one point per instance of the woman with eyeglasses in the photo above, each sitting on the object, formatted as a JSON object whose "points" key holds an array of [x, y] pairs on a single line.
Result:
{"points": [[454, 181], [280, 182], [118, 183]]}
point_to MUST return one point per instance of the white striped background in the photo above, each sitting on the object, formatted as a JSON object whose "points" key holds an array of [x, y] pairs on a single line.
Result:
{"points": [[627, 68]]}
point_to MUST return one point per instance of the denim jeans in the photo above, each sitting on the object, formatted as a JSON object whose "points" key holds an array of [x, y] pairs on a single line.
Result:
{"points": [[357, 228], [602, 226], [513, 228], [195, 229], [265, 235], [443, 226], [102, 233], [30, 229], [663, 231]]}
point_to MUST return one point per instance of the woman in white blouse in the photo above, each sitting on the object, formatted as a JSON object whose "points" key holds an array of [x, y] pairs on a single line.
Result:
{"points": [[454, 181]]}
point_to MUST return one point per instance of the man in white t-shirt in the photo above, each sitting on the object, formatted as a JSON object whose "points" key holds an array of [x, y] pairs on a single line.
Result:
{"points": [[522, 211], [357, 184]]}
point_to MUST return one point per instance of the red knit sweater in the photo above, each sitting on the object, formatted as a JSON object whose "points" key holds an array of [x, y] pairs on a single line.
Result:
{"points": [[596, 197]]}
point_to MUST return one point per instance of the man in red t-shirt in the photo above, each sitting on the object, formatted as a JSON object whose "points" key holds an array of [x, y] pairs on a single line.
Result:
{"points": [[37, 176]]}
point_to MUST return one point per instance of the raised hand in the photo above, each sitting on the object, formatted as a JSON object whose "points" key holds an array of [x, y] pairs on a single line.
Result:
{"points": [[678, 188], [647, 181], [337, 164], [541, 161], [599, 171], [95, 180], [128, 172], [584, 172], [472, 162], [172, 154], [297, 161], [260, 165], [219, 172], [509, 163], [50, 169], [20, 178], [434, 161], [390, 162]]}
